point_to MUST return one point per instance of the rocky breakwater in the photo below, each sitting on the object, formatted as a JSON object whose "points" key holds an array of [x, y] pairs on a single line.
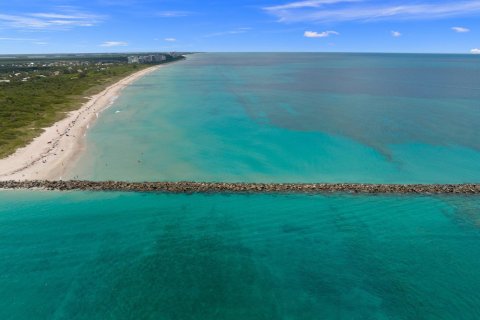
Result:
{"points": [[218, 187]]}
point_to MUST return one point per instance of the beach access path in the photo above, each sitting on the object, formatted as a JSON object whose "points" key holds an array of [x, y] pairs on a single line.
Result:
{"points": [[51, 154]]}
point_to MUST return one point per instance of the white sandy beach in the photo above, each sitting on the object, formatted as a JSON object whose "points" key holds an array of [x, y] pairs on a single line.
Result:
{"points": [[49, 155]]}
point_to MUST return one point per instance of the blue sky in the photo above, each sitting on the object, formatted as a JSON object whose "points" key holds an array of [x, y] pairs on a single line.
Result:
{"points": [[52, 26]]}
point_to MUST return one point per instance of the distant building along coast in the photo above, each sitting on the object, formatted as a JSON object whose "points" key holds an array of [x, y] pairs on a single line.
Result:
{"points": [[148, 59]]}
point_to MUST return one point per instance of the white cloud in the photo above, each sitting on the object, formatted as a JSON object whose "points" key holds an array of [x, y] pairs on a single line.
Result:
{"points": [[224, 33], [324, 34], [173, 14], [64, 19], [344, 10], [114, 44], [460, 29], [475, 51], [170, 39], [396, 34], [307, 4], [55, 16], [17, 39], [122, 3]]}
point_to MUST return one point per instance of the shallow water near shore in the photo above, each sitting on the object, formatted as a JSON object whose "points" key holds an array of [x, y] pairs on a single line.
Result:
{"points": [[83, 255], [380, 118]]}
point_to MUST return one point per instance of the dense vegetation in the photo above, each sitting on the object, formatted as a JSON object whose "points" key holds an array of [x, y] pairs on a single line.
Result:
{"points": [[37, 97]]}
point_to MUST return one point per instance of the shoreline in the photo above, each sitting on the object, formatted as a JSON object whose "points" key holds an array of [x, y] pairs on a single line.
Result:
{"points": [[50, 155]]}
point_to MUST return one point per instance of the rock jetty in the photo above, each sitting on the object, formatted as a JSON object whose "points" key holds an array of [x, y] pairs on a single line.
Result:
{"points": [[219, 187]]}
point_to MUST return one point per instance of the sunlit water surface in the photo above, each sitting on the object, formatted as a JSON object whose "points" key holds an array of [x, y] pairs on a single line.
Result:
{"points": [[262, 117], [294, 117], [146, 256]]}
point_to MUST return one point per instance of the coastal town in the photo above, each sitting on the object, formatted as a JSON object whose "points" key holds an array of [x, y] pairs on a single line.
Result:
{"points": [[152, 58], [26, 68]]}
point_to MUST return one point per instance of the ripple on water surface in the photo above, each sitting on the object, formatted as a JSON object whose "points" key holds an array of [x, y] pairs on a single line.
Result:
{"points": [[134, 256], [380, 118]]}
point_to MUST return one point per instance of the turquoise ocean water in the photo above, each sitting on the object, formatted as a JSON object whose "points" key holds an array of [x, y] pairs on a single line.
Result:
{"points": [[294, 117], [262, 117], [147, 256]]}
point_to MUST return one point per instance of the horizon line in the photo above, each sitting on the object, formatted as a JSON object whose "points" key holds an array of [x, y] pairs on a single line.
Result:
{"points": [[200, 52]]}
